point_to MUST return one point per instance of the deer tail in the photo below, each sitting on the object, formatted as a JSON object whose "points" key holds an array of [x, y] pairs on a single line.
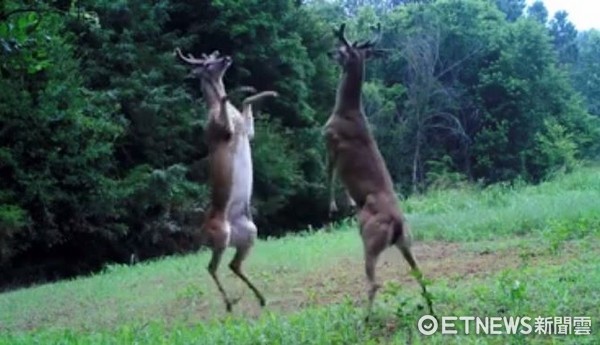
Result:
{"points": [[400, 232]]}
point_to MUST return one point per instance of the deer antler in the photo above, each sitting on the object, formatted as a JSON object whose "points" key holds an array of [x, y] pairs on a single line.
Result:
{"points": [[372, 42], [190, 58], [341, 36]]}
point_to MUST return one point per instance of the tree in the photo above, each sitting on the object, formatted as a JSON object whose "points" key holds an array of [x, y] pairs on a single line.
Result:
{"points": [[564, 37], [521, 90], [513, 9], [586, 72], [381, 7], [441, 49], [56, 144], [538, 12]]}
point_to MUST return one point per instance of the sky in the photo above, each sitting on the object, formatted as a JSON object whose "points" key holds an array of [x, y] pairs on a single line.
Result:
{"points": [[584, 14]]}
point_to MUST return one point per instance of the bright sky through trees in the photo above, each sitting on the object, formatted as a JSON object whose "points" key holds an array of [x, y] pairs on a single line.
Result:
{"points": [[584, 14]]}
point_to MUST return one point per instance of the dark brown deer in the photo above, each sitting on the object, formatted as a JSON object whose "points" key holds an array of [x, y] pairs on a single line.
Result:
{"points": [[228, 222], [354, 157]]}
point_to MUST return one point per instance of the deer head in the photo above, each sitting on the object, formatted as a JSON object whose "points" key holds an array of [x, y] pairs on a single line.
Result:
{"points": [[211, 67], [347, 54]]}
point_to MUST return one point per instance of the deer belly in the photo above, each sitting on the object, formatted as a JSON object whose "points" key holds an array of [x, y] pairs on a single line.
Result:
{"points": [[242, 173]]}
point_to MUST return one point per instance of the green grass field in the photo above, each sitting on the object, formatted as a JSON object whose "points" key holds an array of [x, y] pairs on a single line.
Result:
{"points": [[506, 250]]}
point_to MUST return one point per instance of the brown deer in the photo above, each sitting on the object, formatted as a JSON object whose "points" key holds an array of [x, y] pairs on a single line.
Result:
{"points": [[353, 155], [228, 222]]}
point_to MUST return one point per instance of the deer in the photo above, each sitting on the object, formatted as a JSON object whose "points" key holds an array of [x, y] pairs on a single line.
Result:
{"points": [[354, 157], [228, 221]]}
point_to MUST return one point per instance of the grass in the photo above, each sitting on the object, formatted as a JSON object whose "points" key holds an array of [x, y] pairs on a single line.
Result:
{"points": [[504, 210], [506, 250]]}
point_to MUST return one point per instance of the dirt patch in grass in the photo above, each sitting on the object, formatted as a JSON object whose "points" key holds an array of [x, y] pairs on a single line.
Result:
{"points": [[436, 259], [345, 277]]}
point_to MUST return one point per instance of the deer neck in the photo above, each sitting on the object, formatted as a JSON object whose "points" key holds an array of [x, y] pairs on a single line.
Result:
{"points": [[213, 91], [350, 87]]}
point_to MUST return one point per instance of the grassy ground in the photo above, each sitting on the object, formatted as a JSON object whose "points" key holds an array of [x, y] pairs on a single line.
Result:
{"points": [[502, 251]]}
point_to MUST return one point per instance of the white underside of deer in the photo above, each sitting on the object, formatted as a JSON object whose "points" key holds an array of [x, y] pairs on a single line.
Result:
{"points": [[243, 229]]}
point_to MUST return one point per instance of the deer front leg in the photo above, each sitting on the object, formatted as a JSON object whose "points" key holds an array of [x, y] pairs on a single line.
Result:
{"points": [[248, 120], [331, 172], [224, 117], [247, 109], [331, 183]]}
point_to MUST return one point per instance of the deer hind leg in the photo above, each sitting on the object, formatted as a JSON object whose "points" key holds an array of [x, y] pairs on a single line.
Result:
{"points": [[247, 228], [375, 242], [218, 239], [370, 265], [403, 243], [215, 260]]}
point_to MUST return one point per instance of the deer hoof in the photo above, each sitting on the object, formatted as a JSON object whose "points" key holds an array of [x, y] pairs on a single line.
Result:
{"points": [[230, 303]]}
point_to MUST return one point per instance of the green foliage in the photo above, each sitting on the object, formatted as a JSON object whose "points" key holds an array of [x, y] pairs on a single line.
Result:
{"points": [[520, 97], [381, 105], [538, 12], [442, 174], [557, 147], [277, 166], [56, 143], [564, 36], [513, 9], [129, 58], [12, 219], [471, 214], [585, 73]]}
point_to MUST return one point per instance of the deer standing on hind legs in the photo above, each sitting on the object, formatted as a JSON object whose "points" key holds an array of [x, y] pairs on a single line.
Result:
{"points": [[228, 222], [353, 155]]}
